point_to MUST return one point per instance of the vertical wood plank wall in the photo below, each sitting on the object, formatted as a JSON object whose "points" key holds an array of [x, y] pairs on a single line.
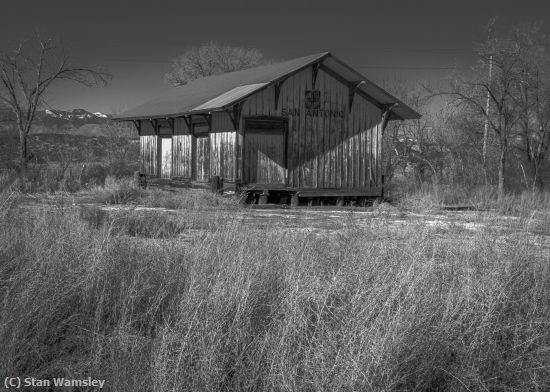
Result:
{"points": [[181, 156], [325, 151], [148, 154], [223, 147], [182, 147], [264, 154], [202, 162]]}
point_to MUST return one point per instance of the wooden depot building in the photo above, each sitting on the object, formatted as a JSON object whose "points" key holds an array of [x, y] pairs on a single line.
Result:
{"points": [[308, 128]]}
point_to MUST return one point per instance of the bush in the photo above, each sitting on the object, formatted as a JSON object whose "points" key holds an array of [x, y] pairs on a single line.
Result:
{"points": [[93, 174], [116, 191], [120, 168]]}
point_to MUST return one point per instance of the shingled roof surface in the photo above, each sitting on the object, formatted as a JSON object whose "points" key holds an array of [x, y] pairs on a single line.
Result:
{"points": [[219, 91]]}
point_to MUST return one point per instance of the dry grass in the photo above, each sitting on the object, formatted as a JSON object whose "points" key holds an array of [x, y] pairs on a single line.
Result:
{"points": [[257, 309], [123, 191]]}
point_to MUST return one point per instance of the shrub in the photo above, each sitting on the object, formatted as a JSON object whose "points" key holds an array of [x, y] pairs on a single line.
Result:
{"points": [[93, 174], [120, 168]]}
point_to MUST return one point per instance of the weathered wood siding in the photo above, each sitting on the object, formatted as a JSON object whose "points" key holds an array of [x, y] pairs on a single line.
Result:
{"points": [[148, 154], [202, 162], [223, 147], [223, 155], [332, 147], [264, 157], [165, 157], [182, 146], [182, 150]]}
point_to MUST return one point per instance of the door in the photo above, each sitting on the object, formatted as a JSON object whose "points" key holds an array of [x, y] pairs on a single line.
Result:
{"points": [[264, 154], [166, 157]]}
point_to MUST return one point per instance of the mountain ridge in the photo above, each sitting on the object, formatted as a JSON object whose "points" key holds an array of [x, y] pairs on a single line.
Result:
{"points": [[57, 117]]}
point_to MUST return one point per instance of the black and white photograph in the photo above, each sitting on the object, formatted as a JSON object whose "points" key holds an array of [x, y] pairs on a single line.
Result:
{"points": [[275, 196]]}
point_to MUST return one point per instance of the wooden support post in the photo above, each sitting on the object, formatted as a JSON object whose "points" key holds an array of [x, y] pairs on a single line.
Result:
{"points": [[295, 200], [193, 156], [263, 199], [216, 184], [340, 202]]}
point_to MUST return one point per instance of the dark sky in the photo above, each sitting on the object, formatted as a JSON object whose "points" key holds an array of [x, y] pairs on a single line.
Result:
{"points": [[136, 41]]}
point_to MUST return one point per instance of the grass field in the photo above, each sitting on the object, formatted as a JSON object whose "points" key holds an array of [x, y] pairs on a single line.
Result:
{"points": [[197, 293]]}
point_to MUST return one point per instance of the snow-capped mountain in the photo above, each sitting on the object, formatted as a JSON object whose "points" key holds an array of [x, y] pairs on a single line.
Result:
{"points": [[75, 114], [59, 118]]}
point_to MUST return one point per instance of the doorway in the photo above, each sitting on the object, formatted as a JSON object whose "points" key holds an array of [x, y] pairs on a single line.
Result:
{"points": [[265, 151]]}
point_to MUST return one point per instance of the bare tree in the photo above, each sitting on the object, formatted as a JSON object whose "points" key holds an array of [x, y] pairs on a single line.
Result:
{"points": [[414, 146], [532, 99], [211, 59], [471, 92], [28, 72]]}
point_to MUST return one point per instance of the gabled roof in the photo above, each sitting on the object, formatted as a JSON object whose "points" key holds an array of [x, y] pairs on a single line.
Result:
{"points": [[219, 92]]}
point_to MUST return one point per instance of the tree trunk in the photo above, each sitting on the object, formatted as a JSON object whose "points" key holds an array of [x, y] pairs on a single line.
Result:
{"points": [[536, 176], [23, 150], [501, 165]]}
